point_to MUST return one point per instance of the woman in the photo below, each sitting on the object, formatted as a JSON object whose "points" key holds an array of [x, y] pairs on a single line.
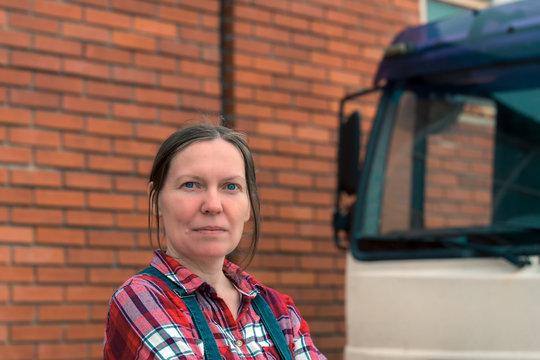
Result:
{"points": [[193, 303]]}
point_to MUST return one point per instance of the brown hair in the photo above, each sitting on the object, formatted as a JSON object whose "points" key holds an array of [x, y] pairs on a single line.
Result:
{"points": [[181, 139]]}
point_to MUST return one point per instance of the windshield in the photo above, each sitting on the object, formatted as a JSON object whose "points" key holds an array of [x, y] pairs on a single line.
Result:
{"points": [[462, 161]]}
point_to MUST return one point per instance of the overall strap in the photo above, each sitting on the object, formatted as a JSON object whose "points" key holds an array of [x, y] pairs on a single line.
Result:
{"points": [[270, 323], [211, 350]]}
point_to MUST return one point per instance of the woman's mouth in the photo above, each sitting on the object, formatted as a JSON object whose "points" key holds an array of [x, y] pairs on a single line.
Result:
{"points": [[210, 230]]}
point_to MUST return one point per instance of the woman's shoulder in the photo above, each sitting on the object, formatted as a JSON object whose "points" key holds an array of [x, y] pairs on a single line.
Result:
{"points": [[140, 285]]}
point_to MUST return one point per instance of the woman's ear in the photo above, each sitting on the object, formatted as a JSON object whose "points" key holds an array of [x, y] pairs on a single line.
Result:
{"points": [[151, 194]]}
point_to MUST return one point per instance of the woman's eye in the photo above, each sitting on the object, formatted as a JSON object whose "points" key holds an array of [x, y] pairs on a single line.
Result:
{"points": [[232, 187], [189, 185]]}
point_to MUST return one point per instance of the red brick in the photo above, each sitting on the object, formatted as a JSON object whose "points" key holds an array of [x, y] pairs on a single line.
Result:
{"points": [[15, 155], [35, 61], [16, 234], [5, 256], [110, 201], [14, 38], [107, 18], [19, 313], [251, 13], [291, 52], [178, 117], [180, 82], [15, 196], [134, 257], [58, 83], [61, 351], [307, 10], [87, 181], [85, 105], [274, 129], [134, 76], [3, 61], [131, 184], [200, 36], [86, 142], [57, 313], [109, 127], [315, 230], [153, 132], [196, 102], [65, 47], [58, 120], [85, 32], [197, 68], [84, 332], [157, 97], [179, 15], [59, 236], [315, 198], [295, 179], [88, 294], [182, 49], [90, 257], [273, 97], [56, 9], [38, 138], [111, 239], [271, 33], [61, 159], [152, 27], [15, 77], [16, 4], [86, 68], [155, 62], [14, 116], [110, 164], [135, 6], [110, 276], [36, 333], [106, 54], [89, 218], [251, 78], [33, 23], [35, 255], [108, 90], [133, 41], [291, 22], [276, 194], [136, 148], [296, 213], [34, 98], [17, 352], [99, 3], [313, 134], [59, 198], [272, 66], [134, 112]]}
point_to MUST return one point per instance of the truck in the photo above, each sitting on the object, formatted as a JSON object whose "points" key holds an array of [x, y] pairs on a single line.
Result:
{"points": [[438, 193]]}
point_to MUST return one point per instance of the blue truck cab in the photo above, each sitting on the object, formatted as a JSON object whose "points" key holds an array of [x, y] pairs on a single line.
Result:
{"points": [[440, 211]]}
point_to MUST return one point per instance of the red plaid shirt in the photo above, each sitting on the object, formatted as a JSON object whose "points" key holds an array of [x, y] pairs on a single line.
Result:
{"points": [[147, 320]]}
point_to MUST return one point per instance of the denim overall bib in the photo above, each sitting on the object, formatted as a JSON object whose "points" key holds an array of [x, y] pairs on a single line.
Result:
{"points": [[211, 351]]}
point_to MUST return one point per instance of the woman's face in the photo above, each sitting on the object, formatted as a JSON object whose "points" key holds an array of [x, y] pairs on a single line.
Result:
{"points": [[204, 202]]}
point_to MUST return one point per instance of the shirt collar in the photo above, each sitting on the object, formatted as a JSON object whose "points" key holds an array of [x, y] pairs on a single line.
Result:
{"points": [[191, 282]]}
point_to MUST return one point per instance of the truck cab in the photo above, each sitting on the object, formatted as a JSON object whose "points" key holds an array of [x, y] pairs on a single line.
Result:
{"points": [[440, 211]]}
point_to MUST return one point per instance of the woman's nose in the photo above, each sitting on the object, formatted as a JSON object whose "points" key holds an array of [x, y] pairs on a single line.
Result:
{"points": [[211, 202]]}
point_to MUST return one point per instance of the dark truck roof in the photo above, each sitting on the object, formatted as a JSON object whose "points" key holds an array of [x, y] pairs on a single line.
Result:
{"points": [[496, 35]]}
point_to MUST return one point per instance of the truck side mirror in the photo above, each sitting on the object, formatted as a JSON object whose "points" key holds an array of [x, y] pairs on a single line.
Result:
{"points": [[349, 153]]}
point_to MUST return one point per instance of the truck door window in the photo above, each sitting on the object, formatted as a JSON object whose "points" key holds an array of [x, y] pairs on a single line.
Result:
{"points": [[440, 164]]}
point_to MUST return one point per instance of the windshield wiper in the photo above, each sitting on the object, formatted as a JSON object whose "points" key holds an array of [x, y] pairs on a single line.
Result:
{"points": [[512, 243]]}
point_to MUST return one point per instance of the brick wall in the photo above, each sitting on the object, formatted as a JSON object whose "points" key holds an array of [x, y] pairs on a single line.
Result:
{"points": [[88, 90]]}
